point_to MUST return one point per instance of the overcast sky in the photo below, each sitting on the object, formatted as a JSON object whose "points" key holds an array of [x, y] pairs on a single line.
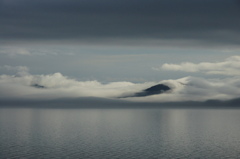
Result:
{"points": [[93, 21], [136, 41]]}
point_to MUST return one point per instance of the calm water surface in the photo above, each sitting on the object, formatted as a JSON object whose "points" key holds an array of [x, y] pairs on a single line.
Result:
{"points": [[119, 133]]}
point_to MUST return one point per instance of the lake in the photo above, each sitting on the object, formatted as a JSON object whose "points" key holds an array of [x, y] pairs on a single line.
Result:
{"points": [[119, 133]]}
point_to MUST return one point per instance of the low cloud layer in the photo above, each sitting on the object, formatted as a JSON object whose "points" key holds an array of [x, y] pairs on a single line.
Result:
{"points": [[23, 85], [229, 67], [58, 86]]}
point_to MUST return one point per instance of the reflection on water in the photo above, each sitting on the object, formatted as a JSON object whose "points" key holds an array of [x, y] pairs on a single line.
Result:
{"points": [[119, 133]]}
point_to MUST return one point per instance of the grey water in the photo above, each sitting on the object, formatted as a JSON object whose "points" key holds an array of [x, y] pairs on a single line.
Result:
{"points": [[119, 133]]}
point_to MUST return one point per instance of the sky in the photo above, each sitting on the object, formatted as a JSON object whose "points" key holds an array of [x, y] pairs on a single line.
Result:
{"points": [[106, 49]]}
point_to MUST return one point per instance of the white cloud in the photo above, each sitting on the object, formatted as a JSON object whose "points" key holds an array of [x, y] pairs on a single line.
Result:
{"points": [[230, 67], [58, 86], [197, 89], [15, 51]]}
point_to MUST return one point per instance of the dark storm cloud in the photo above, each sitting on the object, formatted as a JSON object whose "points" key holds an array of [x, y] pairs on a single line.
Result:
{"points": [[212, 20]]}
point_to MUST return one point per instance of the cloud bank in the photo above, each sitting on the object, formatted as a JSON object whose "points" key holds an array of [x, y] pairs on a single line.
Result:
{"points": [[58, 86], [24, 85], [228, 67]]}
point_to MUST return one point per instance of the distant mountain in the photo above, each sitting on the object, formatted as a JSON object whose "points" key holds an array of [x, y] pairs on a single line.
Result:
{"points": [[157, 89], [92, 102]]}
